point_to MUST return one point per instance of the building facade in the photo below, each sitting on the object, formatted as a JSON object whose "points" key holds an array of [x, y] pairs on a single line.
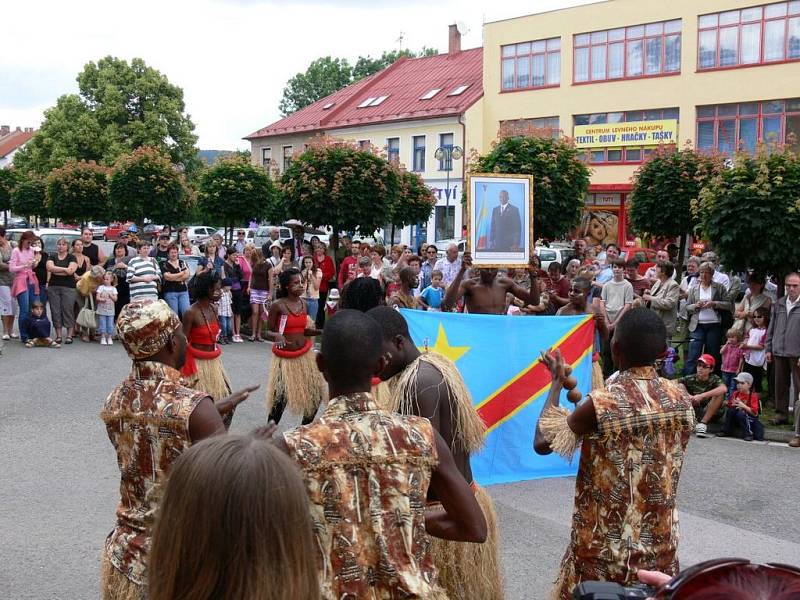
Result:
{"points": [[408, 111], [622, 76], [11, 141]]}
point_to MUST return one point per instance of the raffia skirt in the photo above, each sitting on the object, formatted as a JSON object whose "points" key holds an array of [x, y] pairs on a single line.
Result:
{"points": [[295, 381], [468, 570], [115, 586], [212, 379]]}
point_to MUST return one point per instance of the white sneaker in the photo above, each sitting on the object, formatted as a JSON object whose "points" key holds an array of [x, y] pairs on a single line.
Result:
{"points": [[102, 341], [700, 430], [238, 339], [109, 342]]}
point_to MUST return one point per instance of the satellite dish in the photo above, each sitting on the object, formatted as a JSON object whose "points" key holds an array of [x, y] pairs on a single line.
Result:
{"points": [[462, 27]]}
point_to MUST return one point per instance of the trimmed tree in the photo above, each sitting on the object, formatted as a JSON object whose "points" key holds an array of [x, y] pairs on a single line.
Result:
{"points": [[750, 212], [30, 198], [414, 202], [8, 181], [335, 184], [664, 188], [78, 192], [146, 185], [560, 179], [237, 192]]}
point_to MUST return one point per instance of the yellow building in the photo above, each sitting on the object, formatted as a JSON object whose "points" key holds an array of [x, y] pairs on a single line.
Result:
{"points": [[409, 110], [624, 75]]}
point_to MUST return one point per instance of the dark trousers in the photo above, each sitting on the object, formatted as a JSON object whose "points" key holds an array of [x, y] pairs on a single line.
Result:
{"points": [[320, 320], [750, 426], [706, 338], [608, 359], [277, 412], [785, 367], [757, 373]]}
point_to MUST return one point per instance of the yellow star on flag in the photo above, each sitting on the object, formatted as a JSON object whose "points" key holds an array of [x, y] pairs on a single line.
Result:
{"points": [[443, 347]]}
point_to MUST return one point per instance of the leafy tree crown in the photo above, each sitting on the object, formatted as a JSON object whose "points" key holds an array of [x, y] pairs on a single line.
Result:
{"points": [[237, 191], [78, 192], [560, 179]]}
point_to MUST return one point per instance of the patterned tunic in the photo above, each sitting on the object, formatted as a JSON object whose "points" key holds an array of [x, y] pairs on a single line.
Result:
{"points": [[367, 472], [147, 419], [625, 515]]}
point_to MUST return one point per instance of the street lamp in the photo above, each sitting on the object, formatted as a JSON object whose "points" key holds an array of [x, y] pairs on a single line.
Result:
{"points": [[448, 154]]}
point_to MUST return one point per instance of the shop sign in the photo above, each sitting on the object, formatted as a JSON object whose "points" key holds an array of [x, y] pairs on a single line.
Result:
{"points": [[601, 199], [633, 133], [698, 246]]}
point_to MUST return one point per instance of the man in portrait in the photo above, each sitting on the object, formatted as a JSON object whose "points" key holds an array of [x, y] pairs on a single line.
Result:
{"points": [[506, 226]]}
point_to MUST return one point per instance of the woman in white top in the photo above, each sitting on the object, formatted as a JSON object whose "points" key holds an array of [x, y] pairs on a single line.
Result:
{"points": [[704, 304]]}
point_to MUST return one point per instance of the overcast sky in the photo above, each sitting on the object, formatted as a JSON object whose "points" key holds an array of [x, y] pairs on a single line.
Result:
{"points": [[232, 58]]}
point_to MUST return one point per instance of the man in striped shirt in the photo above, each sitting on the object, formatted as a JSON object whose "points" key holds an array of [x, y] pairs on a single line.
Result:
{"points": [[143, 274]]}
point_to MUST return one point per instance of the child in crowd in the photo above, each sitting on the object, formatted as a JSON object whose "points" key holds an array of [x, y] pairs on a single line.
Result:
{"points": [[732, 355], [36, 328], [744, 408], [432, 296], [225, 313], [106, 296], [332, 303], [755, 355]]}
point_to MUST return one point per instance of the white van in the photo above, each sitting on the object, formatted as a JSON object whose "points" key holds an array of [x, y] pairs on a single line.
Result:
{"points": [[262, 234]]}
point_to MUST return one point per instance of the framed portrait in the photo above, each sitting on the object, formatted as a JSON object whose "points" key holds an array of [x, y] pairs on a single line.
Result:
{"points": [[500, 219]]}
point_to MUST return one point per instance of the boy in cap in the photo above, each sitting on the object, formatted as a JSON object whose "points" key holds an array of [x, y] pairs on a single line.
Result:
{"points": [[707, 392], [744, 407]]}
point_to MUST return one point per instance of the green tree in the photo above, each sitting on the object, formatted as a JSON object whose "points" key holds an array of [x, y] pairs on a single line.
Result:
{"points": [[560, 179], [146, 185], [327, 75], [119, 108], [322, 77], [750, 212], [366, 65], [335, 184], [664, 188], [8, 181], [78, 192], [237, 192], [414, 202], [29, 198]]}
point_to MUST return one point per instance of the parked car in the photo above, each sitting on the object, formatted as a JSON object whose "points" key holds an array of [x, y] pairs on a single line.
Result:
{"points": [[441, 246], [197, 234], [262, 234], [49, 236], [645, 256], [98, 229], [548, 254], [111, 233], [151, 231]]}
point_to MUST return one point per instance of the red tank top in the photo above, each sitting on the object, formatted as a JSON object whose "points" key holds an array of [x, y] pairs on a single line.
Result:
{"points": [[204, 335], [295, 323]]}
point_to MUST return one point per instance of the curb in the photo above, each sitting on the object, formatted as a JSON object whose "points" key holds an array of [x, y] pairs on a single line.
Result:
{"points": [[770, 434]]}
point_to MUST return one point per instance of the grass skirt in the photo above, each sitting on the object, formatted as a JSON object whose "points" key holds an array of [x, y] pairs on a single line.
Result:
{"points": [[297, 382], [114, 585], [598, 383], [468, 570], [212, 379]]}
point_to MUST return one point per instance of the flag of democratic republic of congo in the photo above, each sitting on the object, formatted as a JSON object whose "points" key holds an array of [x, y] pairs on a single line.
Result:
{"points": [[498, 357], [482, 220]]}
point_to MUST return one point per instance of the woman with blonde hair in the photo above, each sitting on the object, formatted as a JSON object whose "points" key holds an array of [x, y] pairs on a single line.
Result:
{"points": [[233, 524]]}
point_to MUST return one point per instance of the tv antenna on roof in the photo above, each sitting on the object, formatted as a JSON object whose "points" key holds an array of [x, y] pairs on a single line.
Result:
{"points": [[462, 27], [399, 40]]}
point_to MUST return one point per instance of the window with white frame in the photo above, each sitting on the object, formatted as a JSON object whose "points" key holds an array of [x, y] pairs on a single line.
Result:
{"points": [[446, 142], [418, 163], [266, 157], [287, 157], [393, 150]]}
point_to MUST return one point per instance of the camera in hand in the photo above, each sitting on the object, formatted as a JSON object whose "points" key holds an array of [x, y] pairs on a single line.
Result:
{"points": [[606, 590]]}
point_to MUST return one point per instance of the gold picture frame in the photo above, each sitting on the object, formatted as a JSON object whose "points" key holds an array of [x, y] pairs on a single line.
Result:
{"points": [[490, 240]]}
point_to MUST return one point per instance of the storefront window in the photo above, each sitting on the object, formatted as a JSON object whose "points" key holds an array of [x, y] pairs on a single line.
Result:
{"points": [[445, 222]]}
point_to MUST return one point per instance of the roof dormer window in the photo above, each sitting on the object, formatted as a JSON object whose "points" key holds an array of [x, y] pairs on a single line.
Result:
{"points": [[430, 94], [459, 90], [367, 102]]}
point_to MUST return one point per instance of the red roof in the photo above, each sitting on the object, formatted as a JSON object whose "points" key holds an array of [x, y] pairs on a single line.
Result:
{"points": [[403, 83], [13, 140]]}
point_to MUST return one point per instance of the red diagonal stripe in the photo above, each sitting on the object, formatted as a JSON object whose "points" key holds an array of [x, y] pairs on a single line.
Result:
{"points": [[534, 379]]}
